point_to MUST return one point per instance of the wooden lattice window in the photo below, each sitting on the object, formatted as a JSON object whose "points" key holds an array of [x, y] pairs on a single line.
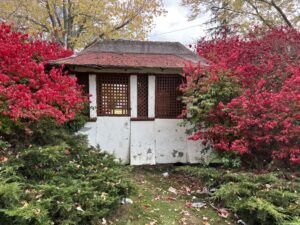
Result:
{"points": [[167, 102], [142, 89], [113, 95]]}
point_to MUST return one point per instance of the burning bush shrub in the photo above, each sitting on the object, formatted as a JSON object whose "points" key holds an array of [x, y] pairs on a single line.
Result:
{"points": [[247, 101]]}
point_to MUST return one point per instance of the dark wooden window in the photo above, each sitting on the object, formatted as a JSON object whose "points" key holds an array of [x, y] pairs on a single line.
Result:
{"points": [[113, 95], [83, 79], [142, 96], [167, 104]]}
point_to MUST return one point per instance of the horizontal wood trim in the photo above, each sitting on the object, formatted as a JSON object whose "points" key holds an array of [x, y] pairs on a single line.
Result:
{"points": [[142, 119], [130, 70], [113, 115], [91, 119]]}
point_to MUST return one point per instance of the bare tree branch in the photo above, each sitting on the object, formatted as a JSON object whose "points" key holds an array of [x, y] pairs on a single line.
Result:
{"points": [[258, 14], [57, 16], [281, 13], [43, 26], [124, 23], [279, 10]]}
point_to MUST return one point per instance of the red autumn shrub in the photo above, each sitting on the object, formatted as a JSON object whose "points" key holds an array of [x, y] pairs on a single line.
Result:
{"points": [[27, 92], [248, 100]]}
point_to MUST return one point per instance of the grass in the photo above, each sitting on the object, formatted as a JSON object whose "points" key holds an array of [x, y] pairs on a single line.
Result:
{"points": [[154, 204]]}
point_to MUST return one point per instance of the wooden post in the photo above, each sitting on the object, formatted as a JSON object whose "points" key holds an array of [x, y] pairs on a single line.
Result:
{"points": [[151, 97], [93, 97]]}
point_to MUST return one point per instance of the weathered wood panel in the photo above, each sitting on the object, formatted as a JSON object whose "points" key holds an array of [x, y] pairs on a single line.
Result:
{"points": [[142, 147], [113, 136], [171, 145]]}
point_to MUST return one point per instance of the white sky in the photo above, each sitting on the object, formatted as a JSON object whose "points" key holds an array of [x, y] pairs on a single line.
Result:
{"points": [[175, 19]]}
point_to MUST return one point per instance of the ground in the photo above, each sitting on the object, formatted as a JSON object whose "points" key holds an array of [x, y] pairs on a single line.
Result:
{"points": [[155, 203]]}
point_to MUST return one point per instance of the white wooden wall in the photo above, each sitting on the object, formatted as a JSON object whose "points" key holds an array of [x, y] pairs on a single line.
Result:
{"points": [[141, 142]]}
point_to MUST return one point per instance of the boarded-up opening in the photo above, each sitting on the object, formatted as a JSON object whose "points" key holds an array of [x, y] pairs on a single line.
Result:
{"points": [[167, 102], [113, 95]]}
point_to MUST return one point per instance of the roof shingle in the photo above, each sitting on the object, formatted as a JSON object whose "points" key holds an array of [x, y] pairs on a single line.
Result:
{"points": [[124, 53]]}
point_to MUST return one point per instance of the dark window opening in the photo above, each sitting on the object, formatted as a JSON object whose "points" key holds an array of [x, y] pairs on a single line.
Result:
{"points": [[83, 80], [113, 95], [167, 102]]}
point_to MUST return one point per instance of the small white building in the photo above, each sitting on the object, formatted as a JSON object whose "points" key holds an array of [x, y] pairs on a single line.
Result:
{"points": [[134, 100]]}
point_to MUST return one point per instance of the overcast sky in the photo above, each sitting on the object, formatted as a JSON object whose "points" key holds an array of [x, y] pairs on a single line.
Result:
{"points": [[176, 19]]}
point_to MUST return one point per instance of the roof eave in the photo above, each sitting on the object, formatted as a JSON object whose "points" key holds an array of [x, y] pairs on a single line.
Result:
{"points": [[72, 68]]}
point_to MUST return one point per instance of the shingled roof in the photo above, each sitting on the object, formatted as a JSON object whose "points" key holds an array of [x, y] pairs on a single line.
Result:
{"points": [[125, 53]]}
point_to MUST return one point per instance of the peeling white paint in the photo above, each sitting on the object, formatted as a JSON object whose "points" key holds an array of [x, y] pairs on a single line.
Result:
{"points": [[145, 142], [197, 152], [133, 95], [171, 143], [151, 96], [113, 134], [142, 143], [93, 93]]}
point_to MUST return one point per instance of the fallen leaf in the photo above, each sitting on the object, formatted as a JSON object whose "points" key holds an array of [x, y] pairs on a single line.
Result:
{"points": [[172, 190], [79, 209], [157, 198], [187, 190], [204, 218], [268, 186], [3, 159], [169, 198], [166, 174], [185, 213], [223, 213], [67, 152], [146, 206], [24, 203], [37, 211]]}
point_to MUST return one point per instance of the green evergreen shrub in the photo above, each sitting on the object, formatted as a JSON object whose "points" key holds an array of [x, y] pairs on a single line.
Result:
{"points": [[259, 199], [65, 184], [44, 131]]}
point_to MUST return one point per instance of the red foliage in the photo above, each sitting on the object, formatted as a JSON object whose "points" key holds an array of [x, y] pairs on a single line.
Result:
{"points": [[27, 92], [264, 120]]}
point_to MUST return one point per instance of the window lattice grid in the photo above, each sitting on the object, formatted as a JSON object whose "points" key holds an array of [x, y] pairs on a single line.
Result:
{"points": [[113, 95], [142, 89], [167, 93]]}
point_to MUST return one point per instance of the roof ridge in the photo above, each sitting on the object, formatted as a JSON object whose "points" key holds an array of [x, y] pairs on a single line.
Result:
{"points": [[127, 40], [133, 41], [137, 46], [137, 53]]}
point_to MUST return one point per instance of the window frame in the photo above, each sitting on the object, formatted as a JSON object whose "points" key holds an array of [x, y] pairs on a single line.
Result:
{"points": [[99, 95], [83, 80], [157, 100], [140, 99]]}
